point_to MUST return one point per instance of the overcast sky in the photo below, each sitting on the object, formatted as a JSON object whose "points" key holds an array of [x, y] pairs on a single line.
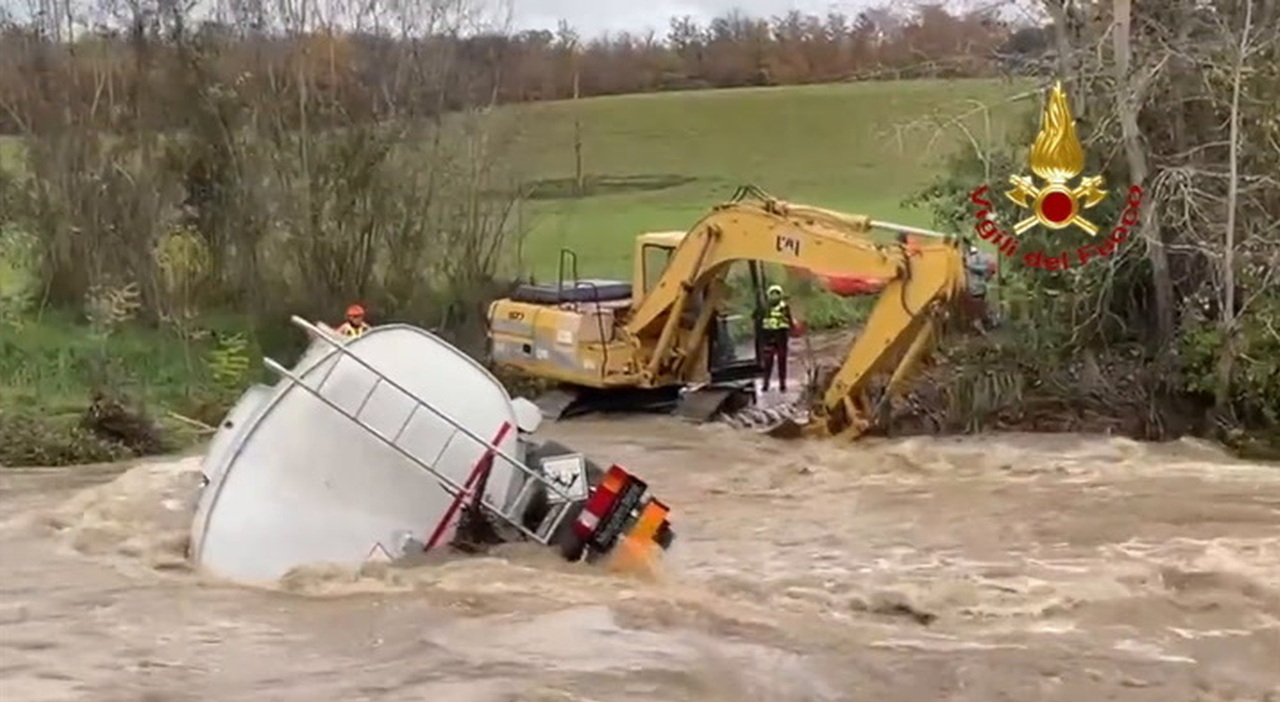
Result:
{"points": [[593, 17]]}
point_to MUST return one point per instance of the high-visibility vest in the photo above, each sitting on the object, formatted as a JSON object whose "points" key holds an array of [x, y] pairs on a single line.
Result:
{"points": [[352, 330], [776, 318]]}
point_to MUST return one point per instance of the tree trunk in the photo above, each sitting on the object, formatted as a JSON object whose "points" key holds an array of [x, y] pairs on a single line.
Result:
{"points": [[1060, 12], [579, 179], [1227, 318], [1129, 98]]}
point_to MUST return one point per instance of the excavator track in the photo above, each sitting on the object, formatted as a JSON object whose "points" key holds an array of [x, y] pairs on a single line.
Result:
{"points": [[783, 417], [780, 417], [784, 421]]}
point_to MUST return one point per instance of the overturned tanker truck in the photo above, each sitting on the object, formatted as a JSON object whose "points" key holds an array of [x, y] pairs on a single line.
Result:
{"points": [[392, 444]]}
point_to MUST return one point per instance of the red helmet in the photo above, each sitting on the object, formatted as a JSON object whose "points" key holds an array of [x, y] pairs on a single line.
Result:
{"points": [[355, 311]]}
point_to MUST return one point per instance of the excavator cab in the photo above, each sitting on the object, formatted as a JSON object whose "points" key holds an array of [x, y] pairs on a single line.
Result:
{"points": [[734, 343], [733, 349]]}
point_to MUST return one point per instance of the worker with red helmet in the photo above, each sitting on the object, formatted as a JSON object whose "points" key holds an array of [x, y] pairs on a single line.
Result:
{"points": [[354, 325]]}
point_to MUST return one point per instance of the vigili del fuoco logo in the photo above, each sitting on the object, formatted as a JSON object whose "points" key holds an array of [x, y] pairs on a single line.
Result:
{"points": [[1051, 201]]}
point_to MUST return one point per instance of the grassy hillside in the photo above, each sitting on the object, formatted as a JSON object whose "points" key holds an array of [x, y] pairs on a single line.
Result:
{"points": [[659, 160], [653, 162]]}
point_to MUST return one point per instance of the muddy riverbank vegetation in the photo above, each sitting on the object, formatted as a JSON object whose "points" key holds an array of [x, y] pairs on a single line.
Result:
{"points": [[169, 197], [1179, 330]]}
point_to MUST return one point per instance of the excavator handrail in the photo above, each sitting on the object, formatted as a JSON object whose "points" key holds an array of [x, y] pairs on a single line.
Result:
{"points": [[861, 223]]}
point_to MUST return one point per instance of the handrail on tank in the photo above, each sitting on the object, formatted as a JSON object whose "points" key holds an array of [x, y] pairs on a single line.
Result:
{"points": [[444, 479], [342, 348]]}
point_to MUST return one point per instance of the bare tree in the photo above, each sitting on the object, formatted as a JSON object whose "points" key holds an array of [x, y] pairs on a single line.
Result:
{"points": [[1130, 96], [242, 136]]}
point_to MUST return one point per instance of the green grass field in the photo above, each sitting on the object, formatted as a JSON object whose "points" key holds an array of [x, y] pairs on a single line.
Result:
{"points": [[663, 159], [654, 162]]}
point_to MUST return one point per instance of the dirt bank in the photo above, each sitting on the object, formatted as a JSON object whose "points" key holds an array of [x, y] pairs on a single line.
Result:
{"points": [[977, 384]]}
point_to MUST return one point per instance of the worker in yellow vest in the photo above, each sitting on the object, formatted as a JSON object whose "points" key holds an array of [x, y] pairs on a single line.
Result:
{"points": [[354, 325], [775, 335]]}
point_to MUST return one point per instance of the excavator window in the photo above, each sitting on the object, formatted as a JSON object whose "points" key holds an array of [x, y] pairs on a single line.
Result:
{"points": [[734, 347], [655, 263]]}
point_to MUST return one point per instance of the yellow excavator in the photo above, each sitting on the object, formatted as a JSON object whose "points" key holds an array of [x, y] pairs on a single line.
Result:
{"points": [[665, 339]]}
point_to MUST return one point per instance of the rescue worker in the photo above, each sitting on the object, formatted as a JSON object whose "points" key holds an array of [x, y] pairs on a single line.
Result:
{"points": [[354, 325], [775, 334], [981, 267]]}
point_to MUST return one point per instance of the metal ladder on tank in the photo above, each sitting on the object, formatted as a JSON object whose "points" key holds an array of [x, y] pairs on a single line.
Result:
{"points": [[559, 499]]}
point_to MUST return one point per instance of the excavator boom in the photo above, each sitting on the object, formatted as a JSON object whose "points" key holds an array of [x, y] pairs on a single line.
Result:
{"points": [[767, 231]]}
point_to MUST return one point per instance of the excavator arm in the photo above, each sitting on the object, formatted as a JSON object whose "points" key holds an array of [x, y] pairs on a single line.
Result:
{"points": [[769, 231], [921, 281], [898, 333]]}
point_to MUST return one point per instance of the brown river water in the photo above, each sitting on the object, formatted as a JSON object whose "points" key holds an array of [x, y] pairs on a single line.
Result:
{"points": [[994, 567]]}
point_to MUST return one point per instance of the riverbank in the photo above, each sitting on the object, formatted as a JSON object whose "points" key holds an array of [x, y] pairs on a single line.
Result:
{"points": [[971, 387]]}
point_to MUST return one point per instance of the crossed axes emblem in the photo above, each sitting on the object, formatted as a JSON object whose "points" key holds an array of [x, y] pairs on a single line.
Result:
{"points": [[1084, 196]]}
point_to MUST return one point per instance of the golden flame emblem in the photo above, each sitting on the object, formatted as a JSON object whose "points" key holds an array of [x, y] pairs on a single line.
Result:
{"points": [[1056, 157]]}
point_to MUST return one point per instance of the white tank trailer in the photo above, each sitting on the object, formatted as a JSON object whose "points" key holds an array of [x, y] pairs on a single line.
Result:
{"points": [[391, 444]]}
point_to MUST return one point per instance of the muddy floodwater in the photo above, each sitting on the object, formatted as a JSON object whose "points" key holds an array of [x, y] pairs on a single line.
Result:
{"points": [[997, 567]]}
